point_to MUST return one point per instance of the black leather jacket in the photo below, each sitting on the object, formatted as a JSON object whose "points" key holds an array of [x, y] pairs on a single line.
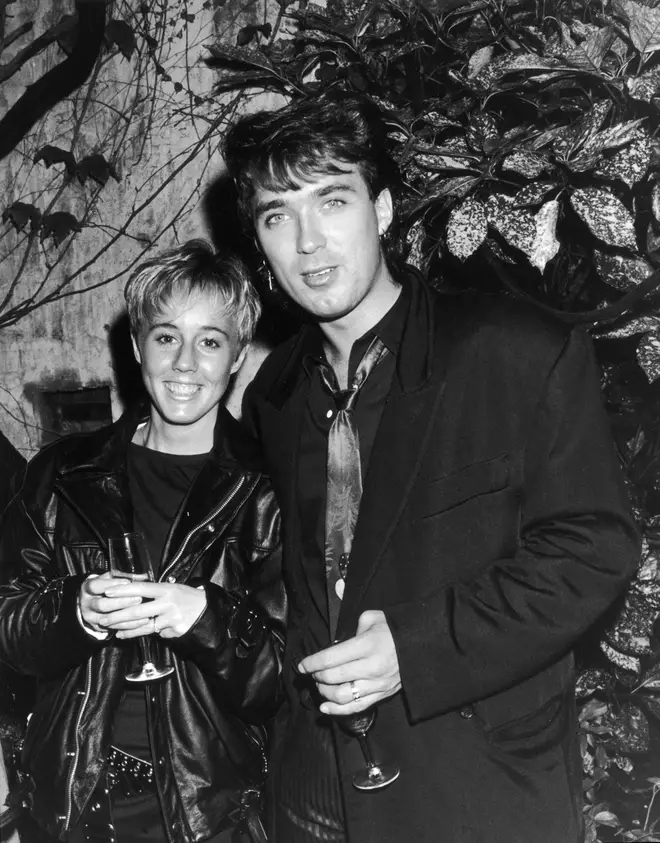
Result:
{"points": [[206, 721]]}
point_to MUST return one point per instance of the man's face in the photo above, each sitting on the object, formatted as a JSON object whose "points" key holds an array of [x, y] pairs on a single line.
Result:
{"points": [[187, 353], [322, 241]]}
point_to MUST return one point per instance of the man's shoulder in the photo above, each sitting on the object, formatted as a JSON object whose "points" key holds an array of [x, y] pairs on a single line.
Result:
{"points": [[273, 365], [500, 321]]}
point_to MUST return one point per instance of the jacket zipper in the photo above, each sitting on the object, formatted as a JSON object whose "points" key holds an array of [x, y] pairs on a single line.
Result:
{"points": [[88, 688], [231, 494]]}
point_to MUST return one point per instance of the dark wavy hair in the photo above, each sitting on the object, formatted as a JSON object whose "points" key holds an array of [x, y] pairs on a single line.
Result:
{"points": [[276, 150]]}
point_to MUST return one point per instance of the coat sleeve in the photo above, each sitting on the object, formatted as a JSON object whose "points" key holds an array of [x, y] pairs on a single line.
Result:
{"points": [[577, 548], [39, 630], [238, 640]]}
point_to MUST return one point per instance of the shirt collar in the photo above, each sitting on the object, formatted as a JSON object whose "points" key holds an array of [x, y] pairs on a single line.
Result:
{"points": [[389, 330]]}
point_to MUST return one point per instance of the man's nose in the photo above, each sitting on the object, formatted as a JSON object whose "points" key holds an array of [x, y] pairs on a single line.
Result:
{"points": [[310, 235], [186, 359]]}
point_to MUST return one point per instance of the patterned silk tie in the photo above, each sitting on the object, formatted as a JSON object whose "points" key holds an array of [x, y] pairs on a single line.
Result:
{"points": [[344, 482]]}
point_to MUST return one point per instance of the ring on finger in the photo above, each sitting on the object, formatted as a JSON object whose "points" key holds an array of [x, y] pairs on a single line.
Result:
{"points": [[354, 691], [155, 627]]}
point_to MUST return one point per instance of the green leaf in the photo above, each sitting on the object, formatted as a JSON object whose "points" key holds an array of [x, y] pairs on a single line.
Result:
{"points": [[528, 164], [590, 53], [643, 24], [517, 226], [593, 710], [574, 136], [605, 214], [119, 33], [630, 728], [648, 356], [607, 818], [54, 155], [415, 241], [632, 327], [479, 60], [629, 663], [533, 194], [655, 200], [545, 245], [96, 168], [19, 214], [646, 86], [467, 228], [59, 226], [591, 680], [630, 165], [619, 271]]}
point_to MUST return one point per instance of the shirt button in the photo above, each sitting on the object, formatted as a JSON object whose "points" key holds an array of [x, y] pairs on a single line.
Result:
{"points": [[171, 579], [467, 712], [328, 415]]}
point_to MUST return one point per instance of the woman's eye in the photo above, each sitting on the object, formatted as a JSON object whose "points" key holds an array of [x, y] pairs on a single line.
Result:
{"points": [[164, 339], [210, 343]]}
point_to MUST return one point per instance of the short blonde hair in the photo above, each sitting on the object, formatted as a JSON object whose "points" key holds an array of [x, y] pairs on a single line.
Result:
{"points": [[192, 268]]}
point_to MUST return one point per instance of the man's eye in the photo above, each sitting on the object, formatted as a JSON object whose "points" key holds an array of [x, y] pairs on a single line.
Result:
{"points": [[273, 219], [335, 203]]}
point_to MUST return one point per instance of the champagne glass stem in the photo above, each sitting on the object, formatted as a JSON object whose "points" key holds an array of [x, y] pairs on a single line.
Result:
{"points": [[144, 647], [366, 749]]}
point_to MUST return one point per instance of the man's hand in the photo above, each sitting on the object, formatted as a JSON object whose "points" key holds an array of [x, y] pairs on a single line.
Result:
{"points": [[357, 673], [94, 605], [166, 609]]}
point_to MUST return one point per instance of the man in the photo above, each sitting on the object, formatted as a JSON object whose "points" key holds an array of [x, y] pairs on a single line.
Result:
{"points": [[493, 526]]}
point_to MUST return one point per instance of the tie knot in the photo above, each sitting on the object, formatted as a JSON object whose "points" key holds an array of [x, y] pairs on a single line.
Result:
{"points": [[345, 398]]}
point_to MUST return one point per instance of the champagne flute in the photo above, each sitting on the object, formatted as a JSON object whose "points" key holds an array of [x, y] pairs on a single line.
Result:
{"points": [[128, 559], [374, 776]]}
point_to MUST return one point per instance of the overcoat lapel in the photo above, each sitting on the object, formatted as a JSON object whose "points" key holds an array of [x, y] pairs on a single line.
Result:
{"points": [[288, 427], [401, 441]]}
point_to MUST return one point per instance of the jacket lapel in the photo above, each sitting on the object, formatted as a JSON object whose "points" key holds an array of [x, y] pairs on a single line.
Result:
{"points": [[401, 441]]}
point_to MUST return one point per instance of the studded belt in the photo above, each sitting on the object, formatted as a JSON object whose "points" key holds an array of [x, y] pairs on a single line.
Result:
{"points": [[129, 775]]}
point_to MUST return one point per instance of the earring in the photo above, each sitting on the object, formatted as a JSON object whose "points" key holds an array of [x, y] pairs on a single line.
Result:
{"points": [[270, 281]]}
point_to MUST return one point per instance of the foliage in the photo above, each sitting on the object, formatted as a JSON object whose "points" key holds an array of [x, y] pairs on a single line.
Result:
{"points": [[527, 134]]}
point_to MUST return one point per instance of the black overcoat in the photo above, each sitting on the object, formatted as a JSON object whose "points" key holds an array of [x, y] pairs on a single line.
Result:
{"points": [[494, 529]]}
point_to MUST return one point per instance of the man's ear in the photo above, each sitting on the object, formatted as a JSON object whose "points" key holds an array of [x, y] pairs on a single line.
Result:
{"points": [[239, 360], [136, 349], [384, 210]]}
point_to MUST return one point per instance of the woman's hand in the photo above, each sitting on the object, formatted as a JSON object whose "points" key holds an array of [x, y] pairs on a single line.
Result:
{"points": [[95, 606], [166, 609]]}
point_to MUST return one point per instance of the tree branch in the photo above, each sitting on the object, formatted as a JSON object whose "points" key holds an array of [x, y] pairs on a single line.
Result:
{"points": [[40, 43], [61, 81]]}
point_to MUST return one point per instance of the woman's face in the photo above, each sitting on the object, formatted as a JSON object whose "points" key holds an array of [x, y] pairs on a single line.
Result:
{"points": [[188, 352]]}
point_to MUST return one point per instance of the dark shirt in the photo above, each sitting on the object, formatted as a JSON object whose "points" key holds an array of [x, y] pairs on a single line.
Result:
{"points": [[158, 484], [310, 791]]}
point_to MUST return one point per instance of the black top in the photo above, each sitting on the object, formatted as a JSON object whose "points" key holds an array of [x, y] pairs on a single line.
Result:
{"points": [[158, 484], [315, 796]]}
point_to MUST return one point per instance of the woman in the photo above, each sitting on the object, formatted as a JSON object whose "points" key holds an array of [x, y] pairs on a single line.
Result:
{"points": [[181, 759]]}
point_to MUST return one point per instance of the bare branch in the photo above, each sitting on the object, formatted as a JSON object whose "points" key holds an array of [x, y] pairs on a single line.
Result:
{"points": [[35, 47]]}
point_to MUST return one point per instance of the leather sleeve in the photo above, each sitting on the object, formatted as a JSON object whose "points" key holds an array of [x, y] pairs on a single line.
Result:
{"points": [[39, 630], [238, 640], [577, 548]]}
